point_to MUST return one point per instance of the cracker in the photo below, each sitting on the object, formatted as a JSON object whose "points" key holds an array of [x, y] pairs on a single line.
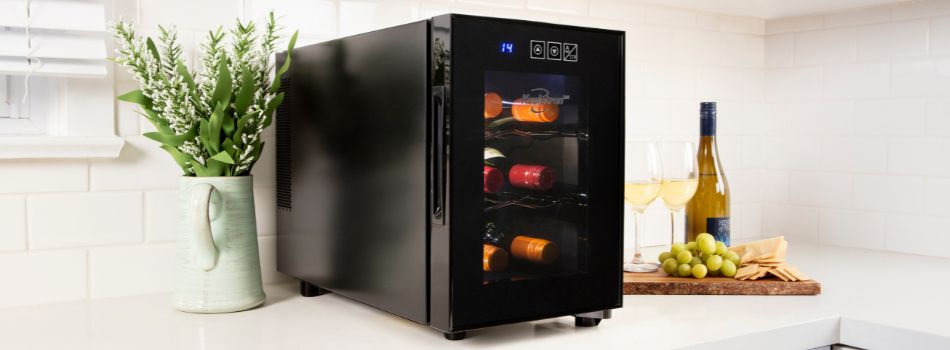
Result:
{"points": [[798, 274], [747, 271], [776, 272]]}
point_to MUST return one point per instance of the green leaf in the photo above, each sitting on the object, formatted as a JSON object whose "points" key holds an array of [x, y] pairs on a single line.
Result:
{"points": [[166, 139], [214, 127], [189, 79], [204, 132], [215, 168], [271, 107], [152, 49], [245, 93], [223, 157], [201, 170], [274, 86], [227, 124], [137, 97], [182, 159], [228, 146], [222, 90]]}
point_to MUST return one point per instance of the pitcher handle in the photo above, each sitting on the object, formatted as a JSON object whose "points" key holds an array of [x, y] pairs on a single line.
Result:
{"points": [[206, 254]]}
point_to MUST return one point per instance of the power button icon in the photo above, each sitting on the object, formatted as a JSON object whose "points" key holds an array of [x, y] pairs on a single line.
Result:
{"points": [[537, 49]]}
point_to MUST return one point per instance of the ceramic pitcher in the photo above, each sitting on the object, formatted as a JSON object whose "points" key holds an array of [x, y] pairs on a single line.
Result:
{"points": [[218, 265]]}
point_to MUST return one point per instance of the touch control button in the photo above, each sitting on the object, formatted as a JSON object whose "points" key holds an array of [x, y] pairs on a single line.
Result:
{"points": [[554, 51], [537, 49], [570, 52]]}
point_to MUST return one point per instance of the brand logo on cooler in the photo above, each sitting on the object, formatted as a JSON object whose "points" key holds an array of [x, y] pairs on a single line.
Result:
{"points": [[541, 96]]}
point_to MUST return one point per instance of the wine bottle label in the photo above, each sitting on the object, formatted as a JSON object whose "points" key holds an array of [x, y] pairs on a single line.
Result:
{"points": [[719, 228]]}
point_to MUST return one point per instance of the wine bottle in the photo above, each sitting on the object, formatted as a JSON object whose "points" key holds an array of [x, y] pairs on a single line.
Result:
{"points": [[526, 176], [493, 105], [534, 112], [494, 180], [494, 259], [522, 247], [708, 210]]}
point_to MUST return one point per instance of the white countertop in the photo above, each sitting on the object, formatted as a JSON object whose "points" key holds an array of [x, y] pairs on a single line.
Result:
{"points": [[869, 299]]}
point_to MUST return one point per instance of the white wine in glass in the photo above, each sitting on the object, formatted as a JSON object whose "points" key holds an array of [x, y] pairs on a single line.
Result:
{"points": [[642, 181], [680, 179]]}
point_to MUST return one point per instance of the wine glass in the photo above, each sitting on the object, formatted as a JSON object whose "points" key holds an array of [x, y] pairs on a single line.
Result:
{"points": [[680, 178], [642, 177]]}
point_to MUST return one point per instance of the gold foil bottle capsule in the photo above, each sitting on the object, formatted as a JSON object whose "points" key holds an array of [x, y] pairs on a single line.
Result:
{"points": [[536, 113], [494, 259], [536, 250], [493, 105]]}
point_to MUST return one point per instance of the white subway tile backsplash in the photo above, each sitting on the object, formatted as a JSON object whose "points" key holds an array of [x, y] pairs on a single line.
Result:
{"points": [[869, 80], [920, 9], [161, 216], [646, 42], [742, 50], [919, 156], [265, 170], [814, 118], [832, 190], [893, 40], [898, 194], [576, 7], [265, 205], [267, 247], [940, 36], [32, 176], [193, 15], [793, 24], [86, 219], [902, 117], [779, 50], [12, 223], [938, 117], [921, 78], [359, 16], [825, 46], [311, 17], [42, 277], [617, 9], [669, 81], [876, 14], [854, 154], [793, 84], [797, 224], [746, 221], [791, 153], [692, 46], [937, 196], [130, 270], [140, 165], [916, 234], [849, 228]]}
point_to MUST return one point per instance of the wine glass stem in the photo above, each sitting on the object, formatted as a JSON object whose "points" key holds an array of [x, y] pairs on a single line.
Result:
{"points": [[638, 230], [674, 225]]}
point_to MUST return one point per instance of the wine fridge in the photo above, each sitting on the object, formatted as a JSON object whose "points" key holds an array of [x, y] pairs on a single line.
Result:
{"points": [[379, 141]]}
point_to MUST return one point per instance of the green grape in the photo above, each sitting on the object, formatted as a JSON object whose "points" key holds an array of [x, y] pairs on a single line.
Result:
{"points": [[704, 236], [707, 246], [691, 247], [714, 263], [684, 257], [728, 268], [734, 257], [721, 248], [695, 261], [664, 256], [669, 266], [699, 271], [716, 273], [704, 257], [684, 270], [677, 248]]}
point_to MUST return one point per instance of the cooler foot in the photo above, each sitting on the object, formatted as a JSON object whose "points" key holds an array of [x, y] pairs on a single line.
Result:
{"points": [[309, 290], [586, 321], [454, 335]]}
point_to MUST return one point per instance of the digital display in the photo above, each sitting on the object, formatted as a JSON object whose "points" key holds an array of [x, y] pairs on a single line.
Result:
{"points": [[507, 47]]}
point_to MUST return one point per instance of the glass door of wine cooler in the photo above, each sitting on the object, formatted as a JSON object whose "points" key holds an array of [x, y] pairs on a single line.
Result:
{"points": [[539, 234]]}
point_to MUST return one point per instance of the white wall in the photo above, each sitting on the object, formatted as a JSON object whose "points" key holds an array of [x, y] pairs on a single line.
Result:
{"points": [[857, 142], [87, 229], [798, 161]]}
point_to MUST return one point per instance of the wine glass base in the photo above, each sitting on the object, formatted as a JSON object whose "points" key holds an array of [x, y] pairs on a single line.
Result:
{"points": [[639, 268]]}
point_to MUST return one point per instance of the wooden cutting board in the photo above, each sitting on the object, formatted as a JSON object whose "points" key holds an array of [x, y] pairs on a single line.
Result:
{"points": [[658, 283]]}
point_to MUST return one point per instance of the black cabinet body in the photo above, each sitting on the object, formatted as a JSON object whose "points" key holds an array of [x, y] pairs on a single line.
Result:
{"points": [[379, 141]]}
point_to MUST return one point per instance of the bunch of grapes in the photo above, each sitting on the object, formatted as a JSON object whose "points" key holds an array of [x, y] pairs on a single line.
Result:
{"points": [[699, 258]]}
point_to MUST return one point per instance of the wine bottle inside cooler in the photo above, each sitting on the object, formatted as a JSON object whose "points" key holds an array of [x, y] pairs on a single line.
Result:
{"points": [[708, 210], [524, 176], [522, 247]]}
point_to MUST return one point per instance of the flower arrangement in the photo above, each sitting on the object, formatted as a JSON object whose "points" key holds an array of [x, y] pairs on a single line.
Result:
{"points": [[209, 121]]}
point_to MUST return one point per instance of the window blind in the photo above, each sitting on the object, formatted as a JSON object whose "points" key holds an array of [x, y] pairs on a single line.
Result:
{"points": [[52, 38]]}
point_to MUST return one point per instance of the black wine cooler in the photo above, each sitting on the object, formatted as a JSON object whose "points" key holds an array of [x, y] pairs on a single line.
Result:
{"points": [[380, 140]]}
